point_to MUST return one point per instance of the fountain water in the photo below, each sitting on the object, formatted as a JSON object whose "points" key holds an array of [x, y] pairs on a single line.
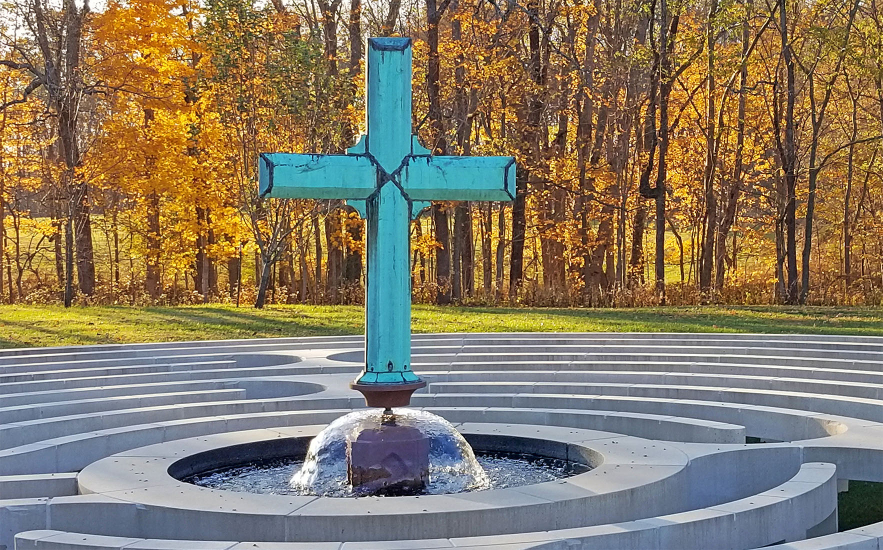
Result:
{"points": [[328, 468]]}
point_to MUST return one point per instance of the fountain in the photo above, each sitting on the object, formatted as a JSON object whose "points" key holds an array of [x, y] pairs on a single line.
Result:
{"points": [[388, 177], [419, 448]]}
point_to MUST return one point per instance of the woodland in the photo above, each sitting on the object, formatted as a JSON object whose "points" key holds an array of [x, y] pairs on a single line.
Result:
{"points": [[670, 152]]}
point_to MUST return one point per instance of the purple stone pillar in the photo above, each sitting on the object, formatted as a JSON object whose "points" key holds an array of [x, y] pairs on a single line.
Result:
{"points": [[389, 460]]}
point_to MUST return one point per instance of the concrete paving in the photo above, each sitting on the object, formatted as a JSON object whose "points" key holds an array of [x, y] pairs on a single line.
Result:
{"points": [[89, 436]]}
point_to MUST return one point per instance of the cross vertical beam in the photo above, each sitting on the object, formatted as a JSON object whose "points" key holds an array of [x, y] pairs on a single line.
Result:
{"points": [[388, 280]]}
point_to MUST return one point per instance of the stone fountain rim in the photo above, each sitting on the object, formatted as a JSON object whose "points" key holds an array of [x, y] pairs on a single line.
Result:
{"points": [[174, 459], [632, 469], [141, 476]]}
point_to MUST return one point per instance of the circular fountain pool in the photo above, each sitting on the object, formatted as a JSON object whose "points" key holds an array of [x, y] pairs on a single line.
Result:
{"points": [[502, 469], [326, 468]]}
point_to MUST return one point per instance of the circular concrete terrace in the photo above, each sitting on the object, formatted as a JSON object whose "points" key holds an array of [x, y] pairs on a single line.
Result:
{"points": [[94, 439]]}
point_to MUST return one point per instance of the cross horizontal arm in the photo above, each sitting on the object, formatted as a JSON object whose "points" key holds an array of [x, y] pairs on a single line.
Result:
{"points": [[444, 178], [291, 176]]}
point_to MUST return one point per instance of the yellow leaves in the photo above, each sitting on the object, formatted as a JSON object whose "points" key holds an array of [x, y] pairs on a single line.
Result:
{"points": [[425, 244], [41, 226], [353, 225], [143, 47]]}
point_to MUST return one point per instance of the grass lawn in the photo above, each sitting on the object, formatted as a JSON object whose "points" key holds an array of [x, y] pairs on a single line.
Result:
{"points": [[861, 505], [23, 326]]}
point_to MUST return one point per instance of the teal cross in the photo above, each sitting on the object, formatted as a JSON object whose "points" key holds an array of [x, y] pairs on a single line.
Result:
{"points": [[388, 177]]}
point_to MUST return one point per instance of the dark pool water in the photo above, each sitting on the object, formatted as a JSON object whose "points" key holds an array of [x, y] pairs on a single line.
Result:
{"points": [[504, 470]]}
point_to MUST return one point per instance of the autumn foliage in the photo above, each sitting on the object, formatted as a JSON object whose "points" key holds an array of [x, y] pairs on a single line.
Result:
{"points": [[669, 152]]}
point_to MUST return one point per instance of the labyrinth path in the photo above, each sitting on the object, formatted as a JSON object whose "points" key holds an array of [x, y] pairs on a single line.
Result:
{"points": [[94, 439]]}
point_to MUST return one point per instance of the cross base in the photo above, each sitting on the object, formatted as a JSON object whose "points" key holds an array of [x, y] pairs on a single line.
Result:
{"points": [[387, 396]]}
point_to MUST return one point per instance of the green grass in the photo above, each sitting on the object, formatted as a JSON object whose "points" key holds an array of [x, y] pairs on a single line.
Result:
{"points": [[24, 326], [861, 505]]}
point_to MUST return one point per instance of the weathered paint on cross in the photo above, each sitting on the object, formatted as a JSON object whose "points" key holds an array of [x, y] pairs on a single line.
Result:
{"points": [[388, 176]]}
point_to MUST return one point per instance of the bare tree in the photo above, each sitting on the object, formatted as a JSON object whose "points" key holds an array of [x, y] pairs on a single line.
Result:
{"points": [[817, 113], [271, 225], [53, 60]]}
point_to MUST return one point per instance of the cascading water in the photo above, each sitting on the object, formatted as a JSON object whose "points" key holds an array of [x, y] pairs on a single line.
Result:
{"points": [[452, 464]]}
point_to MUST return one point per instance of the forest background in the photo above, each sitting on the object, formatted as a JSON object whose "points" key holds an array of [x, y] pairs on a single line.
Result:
{"points": [[669, 151]]}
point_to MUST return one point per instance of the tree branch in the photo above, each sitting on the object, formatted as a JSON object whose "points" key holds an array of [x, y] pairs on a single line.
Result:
{"points": [[15, 65], [36, 83], [845, 146]]}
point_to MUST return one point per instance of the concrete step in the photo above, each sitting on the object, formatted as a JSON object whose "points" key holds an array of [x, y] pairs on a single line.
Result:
{"points": [[854, 407], [25, 413], [43, 398], [561, 383]]}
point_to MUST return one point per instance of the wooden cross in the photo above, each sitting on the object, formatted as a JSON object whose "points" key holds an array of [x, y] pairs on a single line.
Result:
{"points": [[388, 176]]}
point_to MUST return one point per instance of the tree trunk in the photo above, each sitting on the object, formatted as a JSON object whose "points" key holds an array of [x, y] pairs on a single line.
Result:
{"points": [[334, 268], [500, 253], [352, 271], [650, 143], [680, 241], [201, 279], [735, 187], [584, 100], [266, 266], [620, 163], [303, 265], [419, 275], [317, 268], [355, 32], [456, 256], [524, 174], [115, 229], [442, 255], [636, 258], [554, 215], [329, 32], [789, 162], [353, 268], [516, 260], [594, 272], [665, 84], [847, 236], [487, 263], [83, 235], [68, 261], [58, 225], [152, 279], [434, 13], [11, 299], [463, 237], [660, 237], [781, 253], [212, 265], [234, 275], [464, 105], [2, 219], [68, 106], [389, 23], [290, 277], [56, 67], [706, 262]]}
